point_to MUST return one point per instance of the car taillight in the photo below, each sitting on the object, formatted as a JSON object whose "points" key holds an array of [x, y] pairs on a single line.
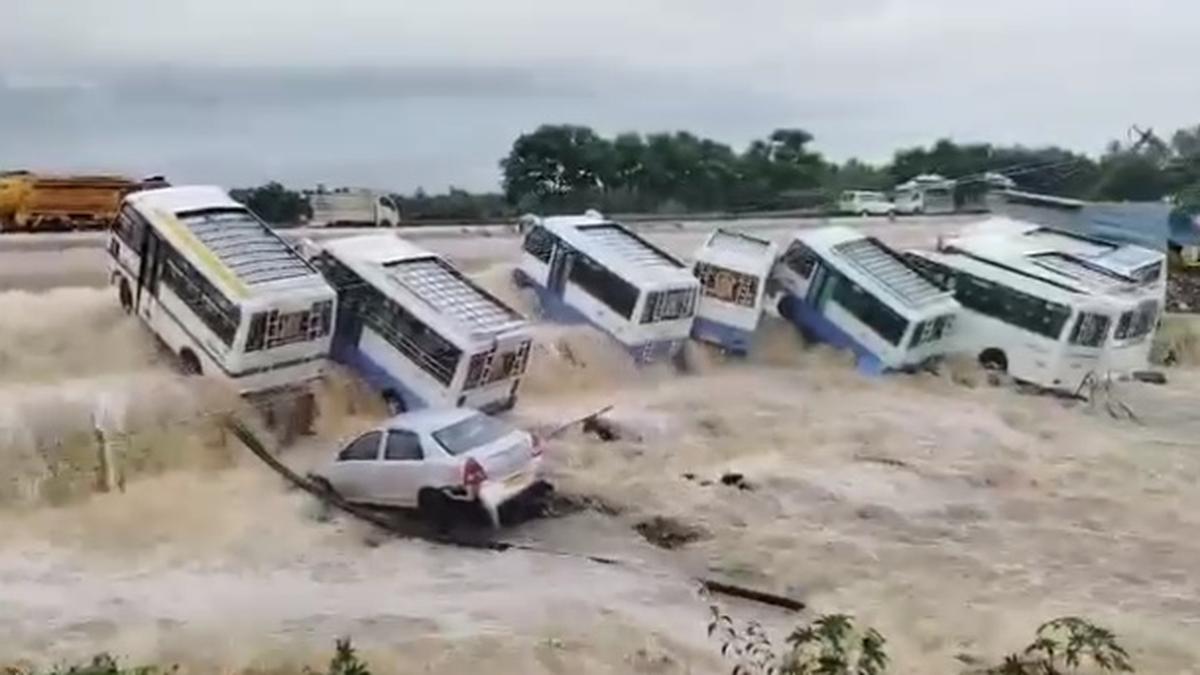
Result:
{"points": [[473, 474], [538, 447]]}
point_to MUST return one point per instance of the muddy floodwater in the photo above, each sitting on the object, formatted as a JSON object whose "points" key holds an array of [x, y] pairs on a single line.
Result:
{"points": [[952, 515]]}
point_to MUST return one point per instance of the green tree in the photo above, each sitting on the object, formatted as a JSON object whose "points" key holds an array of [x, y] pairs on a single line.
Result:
{"points": [[556, 165], [274, 203]]}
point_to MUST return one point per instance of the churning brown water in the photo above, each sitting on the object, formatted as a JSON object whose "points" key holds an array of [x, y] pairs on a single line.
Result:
{"points": [[953, 517]]}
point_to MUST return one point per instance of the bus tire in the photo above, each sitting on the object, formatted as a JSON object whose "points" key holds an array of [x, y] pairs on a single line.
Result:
{"points": [[994, 359], [189, 363], [436, 509], [520, 279], [784, 308], [386, 223], [125, 295], [394, 402]]}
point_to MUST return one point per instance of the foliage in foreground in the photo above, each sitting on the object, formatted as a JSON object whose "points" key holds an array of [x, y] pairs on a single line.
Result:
{"points": [[345, 661], [833, 644]]}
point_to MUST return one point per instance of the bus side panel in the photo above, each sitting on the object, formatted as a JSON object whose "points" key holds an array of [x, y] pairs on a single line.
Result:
{"points": [[729, 326], [1030, 358], [384, 368], [815, 325]]}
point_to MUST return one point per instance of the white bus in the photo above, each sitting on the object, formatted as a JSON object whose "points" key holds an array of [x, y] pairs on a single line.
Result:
{"points": [[588, 269], [733, 270], [220, 289], [418, 330], [925, 194], [853, 292], [1124, 282]]}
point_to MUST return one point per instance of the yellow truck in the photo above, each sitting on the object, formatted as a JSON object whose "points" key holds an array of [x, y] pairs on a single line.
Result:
{"points": [[34, 202]]}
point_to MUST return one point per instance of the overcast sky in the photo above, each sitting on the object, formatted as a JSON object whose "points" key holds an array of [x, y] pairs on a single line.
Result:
{"points": [[401, 93]]}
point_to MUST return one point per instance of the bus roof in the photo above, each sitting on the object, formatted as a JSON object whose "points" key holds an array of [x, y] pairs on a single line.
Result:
{"points": [[1039, 285], [223, 237], [385, 260], [1085, 262], [619, 249], [737, 250], [865, 258]]}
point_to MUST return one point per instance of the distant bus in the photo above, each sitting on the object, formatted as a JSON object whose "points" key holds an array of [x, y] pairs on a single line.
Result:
{"points": [[418, 330], [1021, 284], [925, 194], [588, 269], [223, 291], [733, 270], [853, 292]]}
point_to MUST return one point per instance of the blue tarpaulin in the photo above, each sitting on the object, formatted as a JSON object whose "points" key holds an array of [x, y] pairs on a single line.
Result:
{"points": [[1148, 224]]}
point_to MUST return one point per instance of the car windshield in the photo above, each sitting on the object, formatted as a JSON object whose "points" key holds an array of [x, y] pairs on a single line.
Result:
{"points": [[473, 432]]}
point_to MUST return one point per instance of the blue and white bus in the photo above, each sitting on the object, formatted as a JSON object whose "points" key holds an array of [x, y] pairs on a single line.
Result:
{"points": [[418, 330], [733, 270], [588, 269], [852, 291]]}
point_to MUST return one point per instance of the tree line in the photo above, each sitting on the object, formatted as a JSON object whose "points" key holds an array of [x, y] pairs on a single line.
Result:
{"points": [[570, 168]]}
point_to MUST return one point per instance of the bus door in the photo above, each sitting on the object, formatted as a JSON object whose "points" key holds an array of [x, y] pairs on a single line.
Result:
{"points": [[560, 269], [820, 287], [148, 270]]}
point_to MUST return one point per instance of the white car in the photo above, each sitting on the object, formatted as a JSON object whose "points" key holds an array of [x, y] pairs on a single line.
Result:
{"points": [[436, 458], [865, 203]]}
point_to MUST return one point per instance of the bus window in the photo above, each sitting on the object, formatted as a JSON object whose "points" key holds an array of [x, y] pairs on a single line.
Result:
{"points": [[221, 316], [800, 259], [619, 295], [1090, 329], [727, 285], [868, 309]]}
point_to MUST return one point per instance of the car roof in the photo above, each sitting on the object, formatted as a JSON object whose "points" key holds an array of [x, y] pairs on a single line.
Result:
{"points": [[429, 419]]}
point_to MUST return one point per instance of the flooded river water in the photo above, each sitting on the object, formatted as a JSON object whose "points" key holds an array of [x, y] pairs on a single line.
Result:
{"points": [[952, 515]]}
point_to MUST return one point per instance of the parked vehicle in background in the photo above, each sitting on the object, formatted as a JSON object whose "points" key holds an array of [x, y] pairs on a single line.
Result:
{"points": [[420, 331], [436, 459], [865, 203], [733, 270], [1050, 307], [31, 202], [586, 269], [227, 295], [926, 194], [851, 291], [352, 207]]}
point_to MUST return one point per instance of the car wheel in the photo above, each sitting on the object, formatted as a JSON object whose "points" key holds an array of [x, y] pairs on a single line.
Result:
{"points": [[436, 509]]}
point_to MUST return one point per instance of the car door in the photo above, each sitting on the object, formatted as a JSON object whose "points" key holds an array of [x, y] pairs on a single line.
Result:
{"points": [[398, 479], [351, 473]]}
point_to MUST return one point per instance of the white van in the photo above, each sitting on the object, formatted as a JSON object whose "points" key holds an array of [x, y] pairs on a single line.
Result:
{"points": [[865, 203]]}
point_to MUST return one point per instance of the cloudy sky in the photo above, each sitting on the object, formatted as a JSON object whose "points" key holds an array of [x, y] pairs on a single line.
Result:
{"points": [[401, 93]]}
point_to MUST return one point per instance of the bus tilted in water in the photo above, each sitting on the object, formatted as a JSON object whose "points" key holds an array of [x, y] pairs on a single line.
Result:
{"points": [[853, 292], [588, 269], [733, 270], [1050, 307], [418, 330], [220, 289]]}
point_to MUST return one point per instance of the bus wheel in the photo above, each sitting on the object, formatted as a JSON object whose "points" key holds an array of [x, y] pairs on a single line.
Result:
{"points": [[520, 279], [993, 359], [784, 308], [394, 402], [126, 296], [189, 363]]}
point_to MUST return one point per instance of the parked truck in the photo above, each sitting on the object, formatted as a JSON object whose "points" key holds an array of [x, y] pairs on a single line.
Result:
{"points": [[350, 207], [36, 202]]}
